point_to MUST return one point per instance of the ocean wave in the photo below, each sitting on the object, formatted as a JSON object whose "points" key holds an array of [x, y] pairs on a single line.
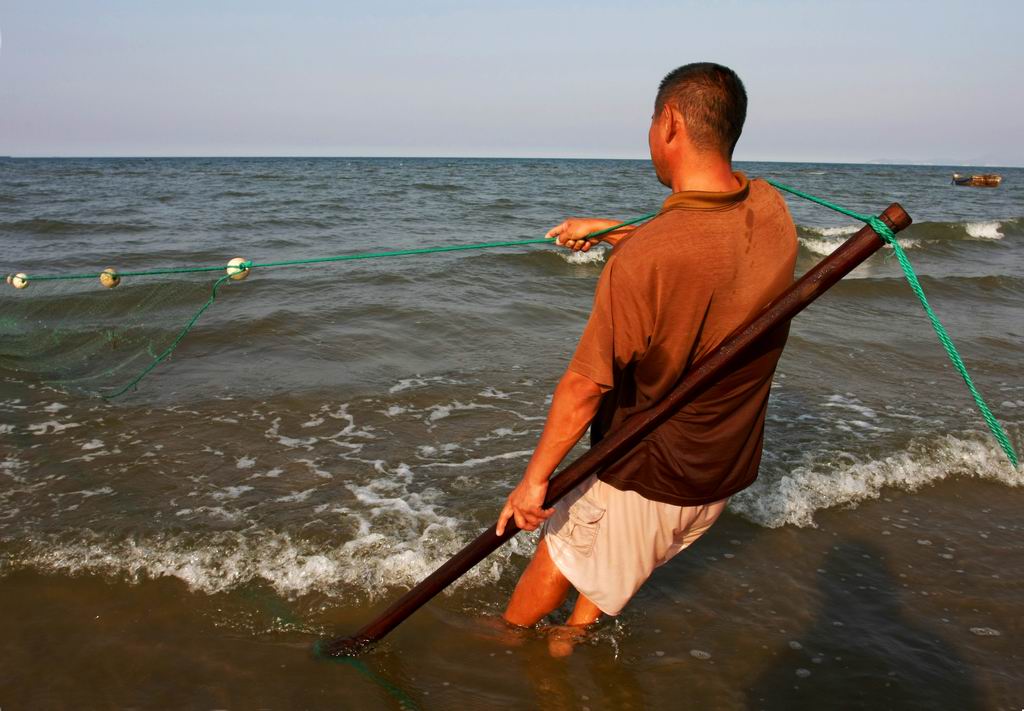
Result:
{"points": [[988, 290], [824, 246], [592, 256], [438, 187], [222, 561], [43, 226], [394, 534], [984, 230], [370, 564], [793, 497], [825, 240], [833, 231]]}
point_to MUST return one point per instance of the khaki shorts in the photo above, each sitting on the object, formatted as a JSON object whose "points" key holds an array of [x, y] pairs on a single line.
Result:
{"points": [[607, 542]]}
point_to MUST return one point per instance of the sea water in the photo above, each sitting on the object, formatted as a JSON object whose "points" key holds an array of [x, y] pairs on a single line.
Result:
{"points": [[328, 435]]}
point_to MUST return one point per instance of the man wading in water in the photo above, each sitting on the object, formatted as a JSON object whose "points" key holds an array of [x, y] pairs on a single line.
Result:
{"points": [[720, 250]]}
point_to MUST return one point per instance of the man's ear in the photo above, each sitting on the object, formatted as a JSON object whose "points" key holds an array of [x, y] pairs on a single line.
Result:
{"points": [[675, 127]]}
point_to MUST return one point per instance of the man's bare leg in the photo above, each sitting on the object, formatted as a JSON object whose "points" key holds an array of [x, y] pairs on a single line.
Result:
{"points": [[540, 589], [584, 613], [562, 639]]}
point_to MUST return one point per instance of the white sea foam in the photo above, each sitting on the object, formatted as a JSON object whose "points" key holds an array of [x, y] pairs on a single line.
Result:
{"points": [[216, 562], [824, 246], [217, 512], [274, 432], [476, 461], [824, 482], [500, 433], [842, 231], [439, 412], [51, 427], [594, 255], [396, 536], [984, 230], [231, 492], [295, 496], [87, 493], [493, 392], [341, 412], [412, 383], [397, 531], [427, 451], [310, 464], [849, 402], [10, 466], [273, 473]]}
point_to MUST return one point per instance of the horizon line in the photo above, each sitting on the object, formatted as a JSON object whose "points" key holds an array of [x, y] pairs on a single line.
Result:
{"points": [[875, 162]]}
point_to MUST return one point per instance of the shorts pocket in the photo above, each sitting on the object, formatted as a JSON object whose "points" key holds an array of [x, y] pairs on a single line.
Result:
{"points": [[580, 531]]}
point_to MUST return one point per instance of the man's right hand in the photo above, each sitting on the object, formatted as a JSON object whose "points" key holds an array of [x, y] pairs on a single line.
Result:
{"points": [[572, 233], [525, 505]]}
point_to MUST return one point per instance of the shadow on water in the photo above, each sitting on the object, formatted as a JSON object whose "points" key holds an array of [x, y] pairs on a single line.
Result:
{"points": [[885, 660]]}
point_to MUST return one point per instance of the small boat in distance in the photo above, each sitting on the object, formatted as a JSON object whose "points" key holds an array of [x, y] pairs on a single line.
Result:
{"points": [[988, 180]]}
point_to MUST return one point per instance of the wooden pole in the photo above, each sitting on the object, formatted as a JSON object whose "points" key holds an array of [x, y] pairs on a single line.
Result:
{"points": [[617, 443]]}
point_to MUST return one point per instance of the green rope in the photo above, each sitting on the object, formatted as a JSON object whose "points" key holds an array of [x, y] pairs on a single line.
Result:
{"points": [[299, 262], [338, 258], [151, 272], [174, 344], [887, 235]]}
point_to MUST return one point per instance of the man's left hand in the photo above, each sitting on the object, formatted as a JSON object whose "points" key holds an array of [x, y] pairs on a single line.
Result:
{"points": [[525, 505]]}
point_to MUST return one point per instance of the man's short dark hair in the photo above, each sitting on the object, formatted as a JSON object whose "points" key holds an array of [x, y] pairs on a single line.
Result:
{"points": [[711, 99]]}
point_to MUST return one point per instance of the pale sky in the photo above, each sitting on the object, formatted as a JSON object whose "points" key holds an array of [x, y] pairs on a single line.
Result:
{"points": [[828, 81]]}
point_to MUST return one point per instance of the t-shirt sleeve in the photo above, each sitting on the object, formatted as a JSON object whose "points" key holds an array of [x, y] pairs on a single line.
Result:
{"points": [[619, 327]]}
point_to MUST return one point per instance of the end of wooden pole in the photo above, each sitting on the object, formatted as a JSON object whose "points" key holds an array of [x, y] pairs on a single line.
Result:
{"points": [[896, 217]]}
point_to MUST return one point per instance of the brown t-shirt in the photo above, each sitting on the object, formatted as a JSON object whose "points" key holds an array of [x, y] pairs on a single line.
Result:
{"points": [[671, 292]]}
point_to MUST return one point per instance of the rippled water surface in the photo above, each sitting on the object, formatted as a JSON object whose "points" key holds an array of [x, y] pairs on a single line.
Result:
{"points": [[327, 435]]}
